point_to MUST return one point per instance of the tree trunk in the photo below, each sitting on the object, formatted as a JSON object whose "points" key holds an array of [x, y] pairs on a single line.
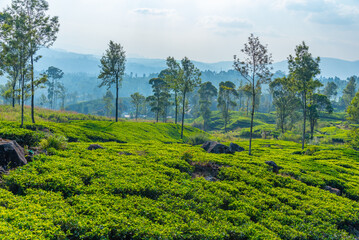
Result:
{"points": [[252, 117], [55, 94], [13, 94], [22, 98], [305, 118], [311, 130], [183, 109], [247, 105], [20, 82], [282, 124], [226, 116], [136, 112], [32, 90], [116, 99], [176, 110]]}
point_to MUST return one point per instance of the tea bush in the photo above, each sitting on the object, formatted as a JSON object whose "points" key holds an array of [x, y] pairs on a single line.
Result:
{"points": [[57, 142], [146, 184], [150, 193]]}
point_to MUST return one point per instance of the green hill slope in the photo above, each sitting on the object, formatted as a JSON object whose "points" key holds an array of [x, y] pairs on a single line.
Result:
{"points": [[147, 189], [85, 128], [154, 190]]}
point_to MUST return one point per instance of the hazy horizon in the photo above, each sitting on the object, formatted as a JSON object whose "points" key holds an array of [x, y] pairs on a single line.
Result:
{"points": [[207, 31]]}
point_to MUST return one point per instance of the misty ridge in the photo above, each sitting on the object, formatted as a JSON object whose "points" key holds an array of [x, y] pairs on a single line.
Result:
{"points": [[81, 75], [71, 62]]}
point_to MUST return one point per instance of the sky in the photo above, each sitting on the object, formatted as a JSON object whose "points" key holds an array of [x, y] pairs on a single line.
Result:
{"points": [[207, 30]]}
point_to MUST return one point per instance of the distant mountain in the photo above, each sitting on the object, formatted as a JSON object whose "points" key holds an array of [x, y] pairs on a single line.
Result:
{"points": [[74, 62]]}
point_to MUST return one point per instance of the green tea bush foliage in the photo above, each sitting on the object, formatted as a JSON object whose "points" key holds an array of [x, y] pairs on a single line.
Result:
{"points": [[56, 142], [8, 113], [24, 137], [290, 136], [146, 184], [245, 133], [97, 131], [198, 139], [150, 193]]}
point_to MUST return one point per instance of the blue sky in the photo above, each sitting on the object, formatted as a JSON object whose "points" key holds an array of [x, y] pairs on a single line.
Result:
{"points": [[207, 30]]}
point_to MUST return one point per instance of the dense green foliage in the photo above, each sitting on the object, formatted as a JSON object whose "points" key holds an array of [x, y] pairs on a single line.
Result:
{"points": [[149, 189]]}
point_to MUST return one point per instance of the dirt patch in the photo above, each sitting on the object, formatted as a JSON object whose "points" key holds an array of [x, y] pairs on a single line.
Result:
{"points": [[207, 170]]}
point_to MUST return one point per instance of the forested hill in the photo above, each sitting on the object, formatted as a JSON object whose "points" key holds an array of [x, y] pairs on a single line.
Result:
{"points": [[74, 63]]}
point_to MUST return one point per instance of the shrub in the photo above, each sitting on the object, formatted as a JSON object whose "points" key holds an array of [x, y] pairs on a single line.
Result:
{"points": [[21, 136], [245, 133], [197, 124], [287, 136], [198, 139], [311, 150], [187, 156], [57, 142], [338, 140], [354, 136]]}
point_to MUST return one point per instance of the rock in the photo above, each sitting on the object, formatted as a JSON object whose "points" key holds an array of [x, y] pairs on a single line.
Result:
{"points": [[95, 147], [333, 190], [235, 148], [276, 168], [2, 170], [125, 153], [210, 178], [11, 154], [31, 153], [207, 145], [215, 147]]}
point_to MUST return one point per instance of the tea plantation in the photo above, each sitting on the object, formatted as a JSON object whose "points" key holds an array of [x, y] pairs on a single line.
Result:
{"points": [[146, 184]]}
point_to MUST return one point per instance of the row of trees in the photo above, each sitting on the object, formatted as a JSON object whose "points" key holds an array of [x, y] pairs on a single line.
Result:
{"points": [[177, 78], [24, 29], [299, 88]]}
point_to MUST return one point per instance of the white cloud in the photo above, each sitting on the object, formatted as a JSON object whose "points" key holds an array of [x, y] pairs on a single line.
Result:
{"points": [[154, 11], [328, 12], [225, 25]]}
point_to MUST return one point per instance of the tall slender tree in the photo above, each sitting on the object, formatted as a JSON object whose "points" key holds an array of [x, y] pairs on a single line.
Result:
{"points": [[317, 102], [330, 90], [137, 100], [349, 91], [54, 74], [113, 68], [42, 31], [191, 77], [240, 95], [15, 33], [255, 69], [160, 98], [207, 93], [284, 100], [9, 54], [108, 100], [302, 70], [172, 75], [226, 95]]}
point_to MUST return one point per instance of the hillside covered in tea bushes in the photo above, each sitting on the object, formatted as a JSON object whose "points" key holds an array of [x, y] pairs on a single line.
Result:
{"points": [[147, 184]]}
